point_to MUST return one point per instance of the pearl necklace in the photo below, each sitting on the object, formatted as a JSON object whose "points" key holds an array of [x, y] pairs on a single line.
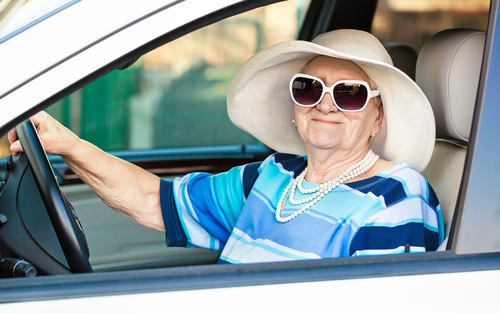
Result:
{"points": [[322, 190]]}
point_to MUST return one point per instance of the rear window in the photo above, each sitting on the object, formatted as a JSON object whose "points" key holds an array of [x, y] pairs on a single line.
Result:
{"points": [[414, 22]]}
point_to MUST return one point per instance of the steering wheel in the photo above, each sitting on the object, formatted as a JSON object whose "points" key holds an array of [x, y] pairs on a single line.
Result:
{"points": [[60, 211]]}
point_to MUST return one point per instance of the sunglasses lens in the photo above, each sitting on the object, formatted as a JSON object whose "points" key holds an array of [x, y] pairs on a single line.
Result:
{"points": [[306, 91], [350, 97]]}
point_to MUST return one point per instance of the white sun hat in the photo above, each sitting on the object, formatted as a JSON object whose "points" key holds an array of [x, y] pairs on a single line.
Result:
{"points": [[259, 101]]}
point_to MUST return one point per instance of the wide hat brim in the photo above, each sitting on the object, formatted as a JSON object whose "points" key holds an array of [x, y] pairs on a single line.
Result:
{"points": [[259, 101]]}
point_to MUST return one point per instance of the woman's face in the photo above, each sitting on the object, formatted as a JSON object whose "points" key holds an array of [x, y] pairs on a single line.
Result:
{"points": [[326, 127]]}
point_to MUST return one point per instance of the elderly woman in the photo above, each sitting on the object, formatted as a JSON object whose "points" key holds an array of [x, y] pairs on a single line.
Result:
{"points": [[349, 128]]}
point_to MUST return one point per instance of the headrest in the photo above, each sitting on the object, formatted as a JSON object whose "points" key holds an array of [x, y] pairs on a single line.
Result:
{"points": [[403, 57], [448, 69]]}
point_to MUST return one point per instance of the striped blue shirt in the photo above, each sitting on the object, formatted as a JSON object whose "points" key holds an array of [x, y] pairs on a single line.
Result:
{"points": [[234, 212]]}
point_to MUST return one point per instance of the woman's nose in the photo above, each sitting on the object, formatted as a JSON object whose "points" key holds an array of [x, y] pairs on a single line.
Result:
{"points": [[326, 105]]}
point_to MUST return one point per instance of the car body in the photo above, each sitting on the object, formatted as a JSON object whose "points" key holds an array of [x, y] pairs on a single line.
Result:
{"points": [[61, 46]]}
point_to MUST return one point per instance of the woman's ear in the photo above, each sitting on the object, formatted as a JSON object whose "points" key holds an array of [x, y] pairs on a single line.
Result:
{"points": [[380, 117]]}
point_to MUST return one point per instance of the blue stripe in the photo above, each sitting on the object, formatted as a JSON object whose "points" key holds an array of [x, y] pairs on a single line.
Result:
{"points": [[173, 226], [399, 223], [380, 238], [220, 207], [205, 208], [392, 190], [223, 262], [263, 246], [265, 200], [212, 243], [364, 183], [433, 199], [250, 175], [432, 239], [440, 224], [431, 228], [291, 162], [326, 217]]}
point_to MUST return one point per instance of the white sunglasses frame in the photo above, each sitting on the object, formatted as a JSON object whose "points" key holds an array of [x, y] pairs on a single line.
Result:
{"points": [[371, 93]]}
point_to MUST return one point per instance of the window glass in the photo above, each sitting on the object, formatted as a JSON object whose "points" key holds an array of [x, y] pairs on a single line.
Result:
{"points": [[175, 96], [413, 22], [14, 21]]}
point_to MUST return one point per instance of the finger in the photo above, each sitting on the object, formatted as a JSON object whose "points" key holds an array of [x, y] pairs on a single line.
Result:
{"points": [[38, 119], [12, 136], [16, 148]]}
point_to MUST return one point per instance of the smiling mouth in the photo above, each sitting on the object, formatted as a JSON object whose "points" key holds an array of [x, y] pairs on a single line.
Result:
{"points": [[325, 121]]}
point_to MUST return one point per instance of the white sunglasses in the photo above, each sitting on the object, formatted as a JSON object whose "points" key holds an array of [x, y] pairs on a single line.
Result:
{"points": [[347, 95]]}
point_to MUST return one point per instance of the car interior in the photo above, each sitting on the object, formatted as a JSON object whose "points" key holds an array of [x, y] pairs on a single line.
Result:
{"points": [[438, 68], [448, 69]]}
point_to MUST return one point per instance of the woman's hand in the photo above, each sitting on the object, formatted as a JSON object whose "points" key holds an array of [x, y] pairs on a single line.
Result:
{"points": [[55, 138], [122, 186]]}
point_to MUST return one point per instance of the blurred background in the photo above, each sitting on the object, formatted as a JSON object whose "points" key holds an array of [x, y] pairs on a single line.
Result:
{"points": [[175, 96]]}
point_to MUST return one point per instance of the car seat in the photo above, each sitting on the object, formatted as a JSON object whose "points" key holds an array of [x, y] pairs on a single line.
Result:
{"points": [[403, 57], [448, 69]]}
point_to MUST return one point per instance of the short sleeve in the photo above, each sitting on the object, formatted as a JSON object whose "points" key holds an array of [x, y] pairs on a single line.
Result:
{"points": [[201, 210]]}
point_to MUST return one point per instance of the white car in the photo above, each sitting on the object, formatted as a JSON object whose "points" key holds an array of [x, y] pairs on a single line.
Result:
{"points": [[121, 73]]}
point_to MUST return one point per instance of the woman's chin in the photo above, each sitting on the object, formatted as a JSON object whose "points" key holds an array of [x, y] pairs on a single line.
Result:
{"points": [[323, 139], [324, 144]]}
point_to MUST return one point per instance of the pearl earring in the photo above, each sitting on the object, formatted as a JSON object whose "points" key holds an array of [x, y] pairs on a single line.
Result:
{"points": [[374, 135], [294, 124]]}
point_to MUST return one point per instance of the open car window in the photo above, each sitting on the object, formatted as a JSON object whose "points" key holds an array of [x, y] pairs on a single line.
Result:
{"points": [[172, 101], [175, 95]]}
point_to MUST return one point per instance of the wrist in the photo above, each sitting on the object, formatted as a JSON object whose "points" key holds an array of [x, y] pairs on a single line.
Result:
{"points": [[76, 150]]}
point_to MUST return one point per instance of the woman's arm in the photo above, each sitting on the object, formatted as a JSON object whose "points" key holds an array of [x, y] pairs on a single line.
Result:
{"points": [[122, 186]]}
